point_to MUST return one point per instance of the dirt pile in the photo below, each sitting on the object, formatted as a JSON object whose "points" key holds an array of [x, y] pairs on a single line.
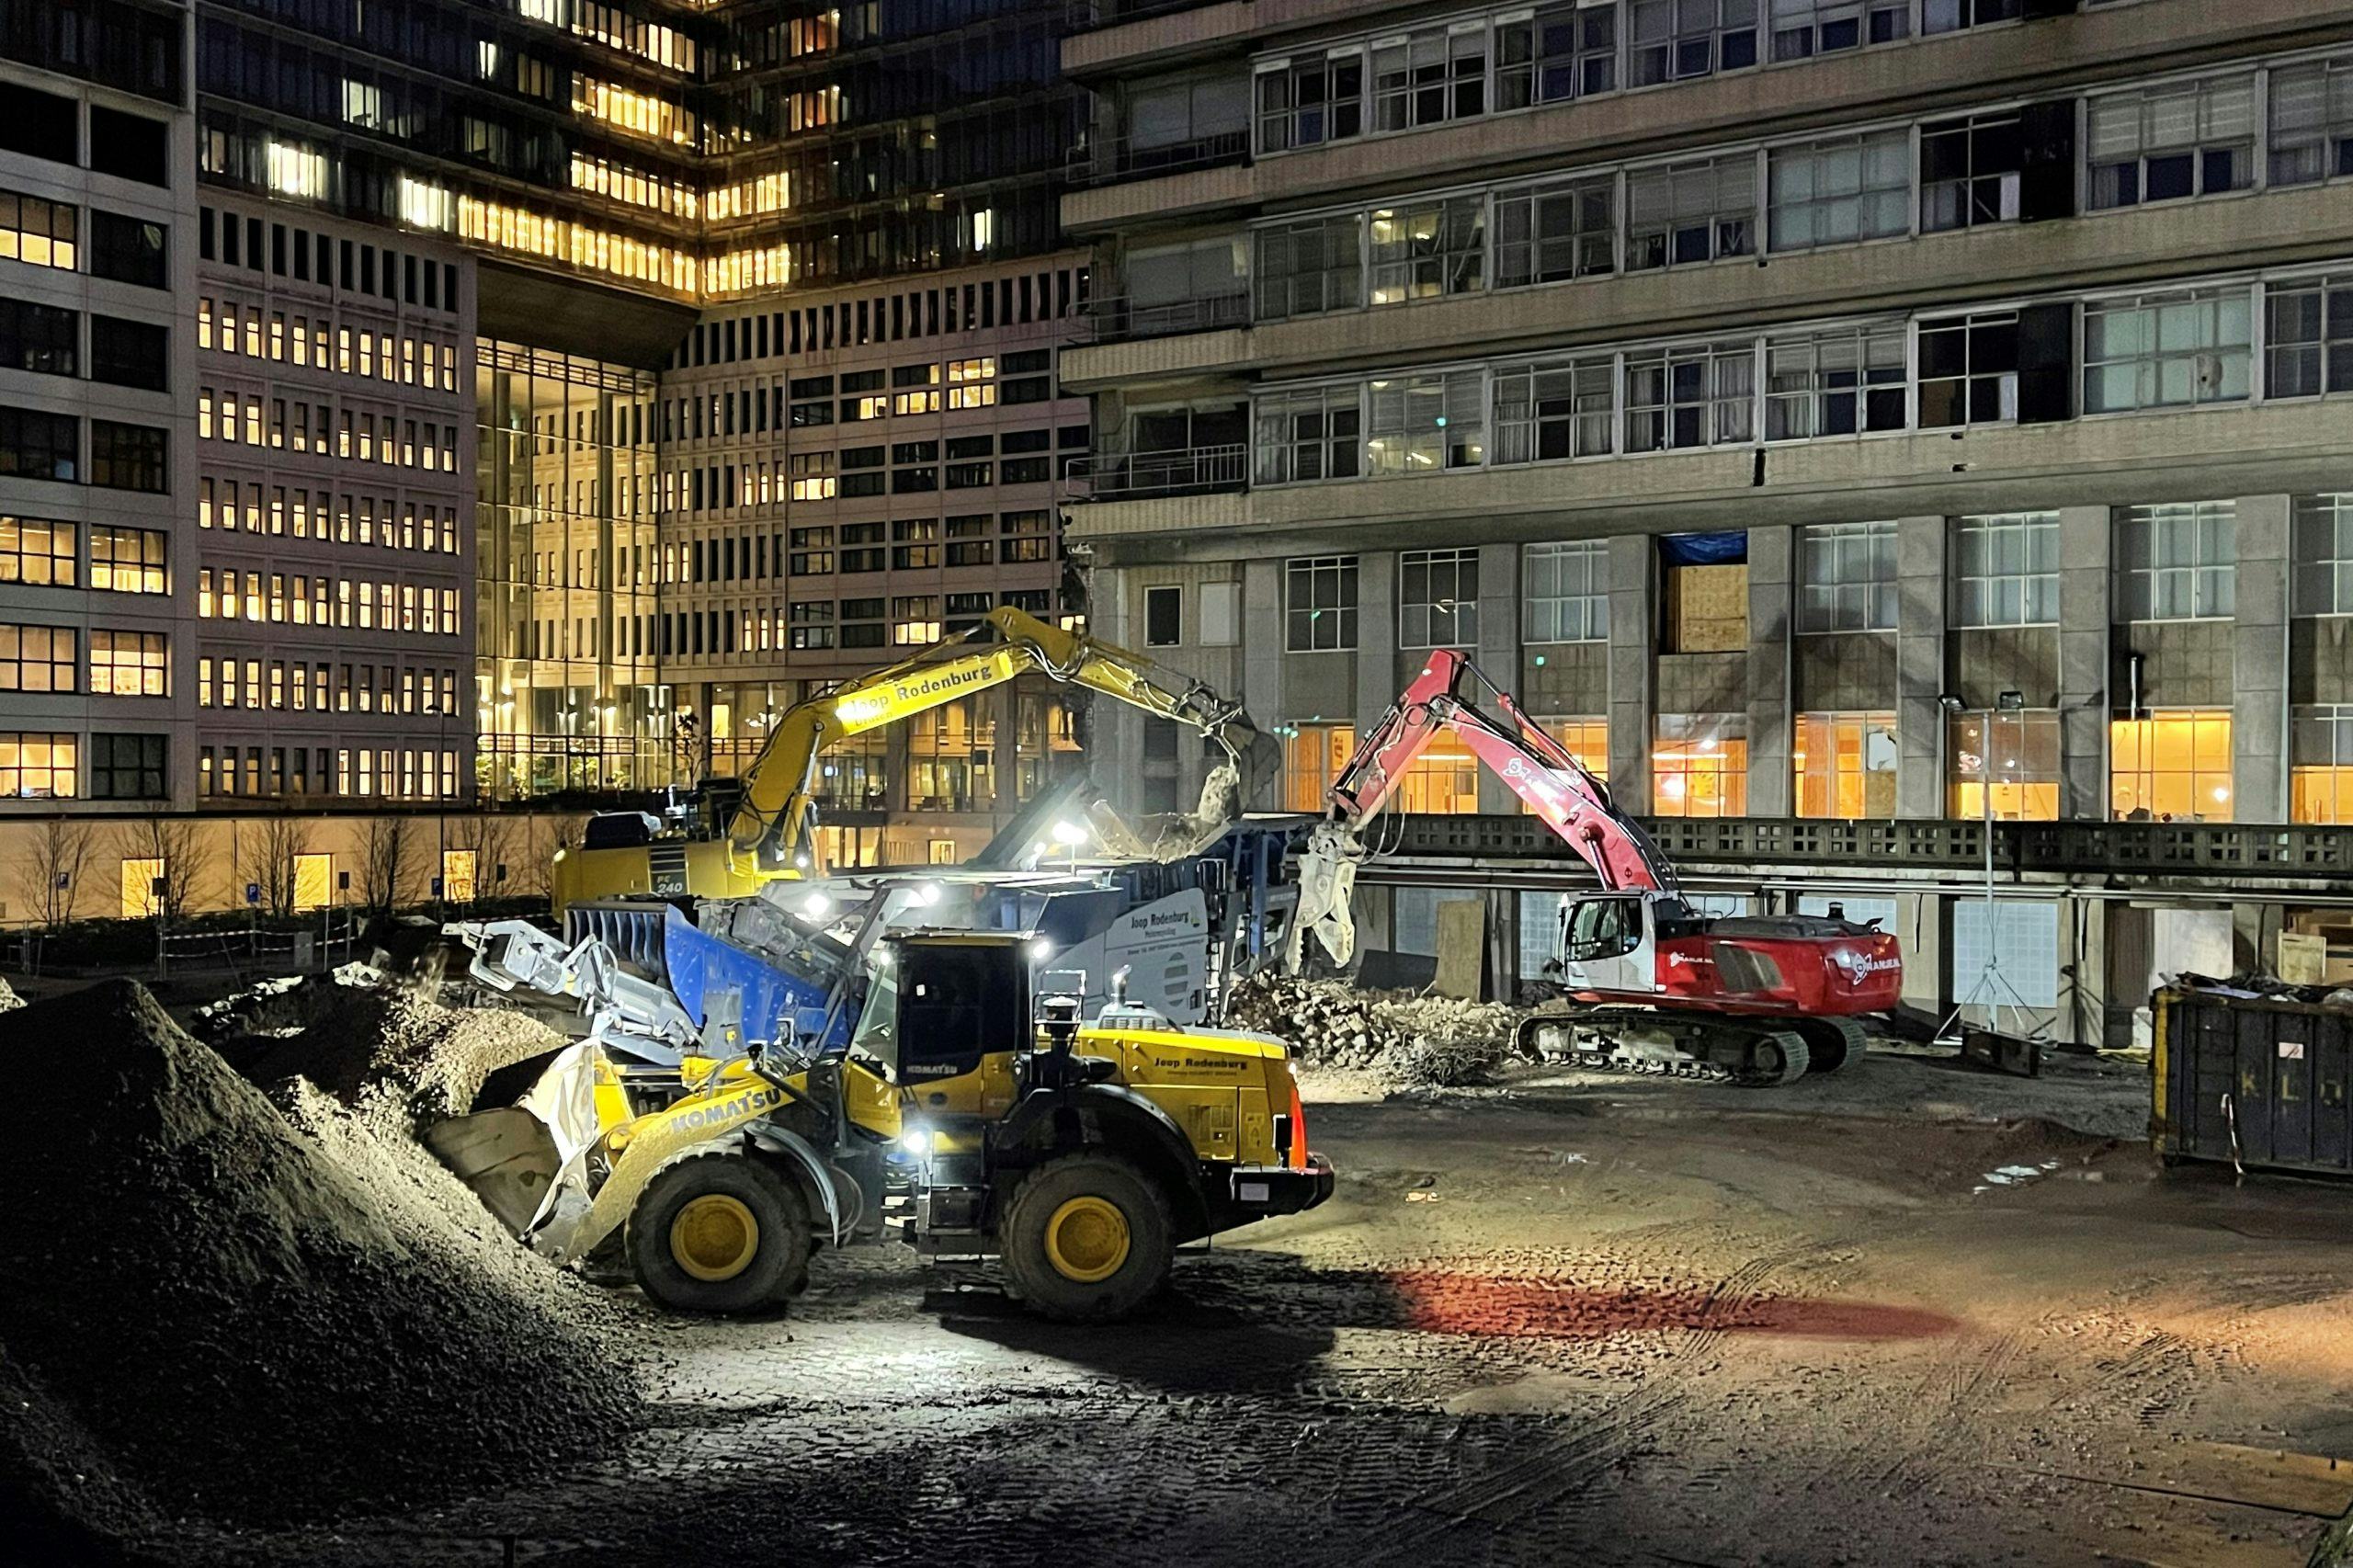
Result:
{"points": [[253, 1331], [354, 1032], [1402, 1036]]}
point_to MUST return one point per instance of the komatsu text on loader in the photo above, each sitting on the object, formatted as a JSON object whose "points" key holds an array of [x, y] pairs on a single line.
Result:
{"points": [[975, 1117], [1644, 982]]}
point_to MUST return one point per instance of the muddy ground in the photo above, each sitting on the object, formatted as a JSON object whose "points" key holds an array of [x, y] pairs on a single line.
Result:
{"points": [[1572, 1321]]}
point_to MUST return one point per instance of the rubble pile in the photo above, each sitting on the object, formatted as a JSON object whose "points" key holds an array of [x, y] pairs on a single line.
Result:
{"points": [[357, 1031], [247, 1308], [1403, 1036]]}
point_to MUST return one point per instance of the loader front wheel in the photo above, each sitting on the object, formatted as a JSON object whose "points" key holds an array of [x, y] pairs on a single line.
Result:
{"points": [[1087, 1239], [719, 1233]]}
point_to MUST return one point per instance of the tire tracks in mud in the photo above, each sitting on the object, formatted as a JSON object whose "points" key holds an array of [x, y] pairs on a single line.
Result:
{"points": [[1582, 1450]]}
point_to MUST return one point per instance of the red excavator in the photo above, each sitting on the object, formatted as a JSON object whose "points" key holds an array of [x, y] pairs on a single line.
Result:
{"points": [[1644, 983]]}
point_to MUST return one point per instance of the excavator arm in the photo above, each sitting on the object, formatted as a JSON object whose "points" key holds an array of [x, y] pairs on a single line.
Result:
{"points": [[1559, 789], [774, 830]]}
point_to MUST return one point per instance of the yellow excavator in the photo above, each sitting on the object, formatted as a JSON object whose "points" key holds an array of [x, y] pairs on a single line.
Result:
{"points": [[772, 832], [971, 1110]]}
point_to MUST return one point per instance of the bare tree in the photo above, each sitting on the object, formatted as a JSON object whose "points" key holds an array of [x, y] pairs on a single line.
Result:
{"points": [[52, 869], [266, 857], [553, 832], [175, 844], [496, 841], [383, 861]]}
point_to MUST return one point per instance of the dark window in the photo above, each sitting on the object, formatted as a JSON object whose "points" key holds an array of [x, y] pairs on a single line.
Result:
{"points": [[1026, 389], [130, 146], [130, 457], [813, 386], [1025, 470], [1163, 610], [862, 382], [39, 337], [129, 767], [862, 484], [39, 124], [861, 457], [971, 446], [130, 353], [1028, 442], [130, 250], [1026, 362], [1079, 435], [38, 446]]}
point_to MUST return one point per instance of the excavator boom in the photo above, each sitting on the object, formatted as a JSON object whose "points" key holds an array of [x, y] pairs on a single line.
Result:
{"points": [[1561, 790], [773, 833]]}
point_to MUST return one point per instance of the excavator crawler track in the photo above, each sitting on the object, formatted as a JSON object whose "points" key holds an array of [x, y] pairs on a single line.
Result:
{"points": [[1706, 1048]]}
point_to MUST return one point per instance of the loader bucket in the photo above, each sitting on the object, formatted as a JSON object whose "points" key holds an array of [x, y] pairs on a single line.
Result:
{"points": [[506, 1156]]}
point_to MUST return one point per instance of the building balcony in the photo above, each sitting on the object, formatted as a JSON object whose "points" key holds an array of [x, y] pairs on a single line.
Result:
{"points": [[1131, 476], [1942, 850], [1115, 159], [1122, 319]]}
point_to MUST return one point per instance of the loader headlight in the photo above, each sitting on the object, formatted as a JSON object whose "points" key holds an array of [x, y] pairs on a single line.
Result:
{"points": [[916, 1142]]}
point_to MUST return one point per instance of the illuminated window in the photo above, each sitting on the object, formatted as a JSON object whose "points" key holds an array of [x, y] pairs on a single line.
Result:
{"points": [[37, 767], [38, 233], [2174, 766], [2320, 771], [36, 553], [1313, 757], [294, 171], [139, 877], [2021, 760], [130, 663], [1443, 780], [457, 872], [1587, 740], [1699, 766], [1845, 764]]}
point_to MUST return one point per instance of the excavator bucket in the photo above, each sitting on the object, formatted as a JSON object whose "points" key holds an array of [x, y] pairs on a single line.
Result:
{"points": [[528, 1162]]}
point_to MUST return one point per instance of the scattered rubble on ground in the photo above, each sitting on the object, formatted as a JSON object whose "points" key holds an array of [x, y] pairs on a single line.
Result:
{"points": [[312, 1322], [9, 1000], [1403, 1036]]}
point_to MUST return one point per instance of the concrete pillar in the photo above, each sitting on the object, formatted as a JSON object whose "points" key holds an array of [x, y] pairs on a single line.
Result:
{"points": [[2259, 712], [1772, 571], [2086, 538], [1633, 671], [1920, 600], [1376, 636], [1114, 730], [2255, 936], [1262, 655], [1498, 650], [2082, 975], [1920, 928]]}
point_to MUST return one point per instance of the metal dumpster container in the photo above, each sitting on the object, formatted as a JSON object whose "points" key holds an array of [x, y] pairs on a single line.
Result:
{"points": [[2258, 1079]]}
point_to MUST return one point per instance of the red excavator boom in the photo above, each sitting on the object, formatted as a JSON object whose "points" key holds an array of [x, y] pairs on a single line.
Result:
{"points": [[1636, 945]]}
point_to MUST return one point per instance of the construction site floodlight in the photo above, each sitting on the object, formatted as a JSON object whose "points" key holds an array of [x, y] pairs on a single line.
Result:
{"points": [[2011, 702], [1950, 703]]}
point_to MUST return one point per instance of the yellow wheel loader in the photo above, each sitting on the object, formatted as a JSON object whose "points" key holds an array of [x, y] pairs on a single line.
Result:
{"points": [[976, 1119]]}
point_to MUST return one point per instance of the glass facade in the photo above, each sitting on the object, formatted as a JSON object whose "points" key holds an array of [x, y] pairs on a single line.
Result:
{"points": [[566, 546]]}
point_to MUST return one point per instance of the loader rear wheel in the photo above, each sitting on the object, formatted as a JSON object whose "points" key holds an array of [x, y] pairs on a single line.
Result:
{"points": [[719, 1233], [1087, 1239]]}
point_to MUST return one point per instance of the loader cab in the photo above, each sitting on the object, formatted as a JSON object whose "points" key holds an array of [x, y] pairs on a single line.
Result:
{"points": [[941, 1002]]}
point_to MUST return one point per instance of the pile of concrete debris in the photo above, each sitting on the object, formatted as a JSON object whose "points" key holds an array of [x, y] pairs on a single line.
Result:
{"points": [[1403, 1036], [244, 1306]]}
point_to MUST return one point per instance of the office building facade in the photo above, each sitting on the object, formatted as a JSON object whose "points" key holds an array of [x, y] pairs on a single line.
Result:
{"points": [[1814, 411]]}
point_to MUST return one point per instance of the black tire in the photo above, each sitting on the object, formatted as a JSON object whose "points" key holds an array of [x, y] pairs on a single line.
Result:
{"points": [[709, 1200], [1775, 1058], [1071, 1196]]}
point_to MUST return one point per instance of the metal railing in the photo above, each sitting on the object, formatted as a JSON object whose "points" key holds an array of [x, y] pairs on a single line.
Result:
{"points": [[1128, 476], [2020, 849], [1113, 159], [1121, 319]]}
